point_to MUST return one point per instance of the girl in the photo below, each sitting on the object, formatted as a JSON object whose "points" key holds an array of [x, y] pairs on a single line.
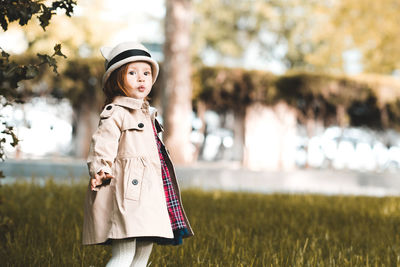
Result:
{"points": [[133, 198]]}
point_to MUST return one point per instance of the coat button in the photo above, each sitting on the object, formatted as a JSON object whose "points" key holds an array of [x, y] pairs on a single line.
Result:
{"points": [[140, 125], [109, 107], [135, 181]]}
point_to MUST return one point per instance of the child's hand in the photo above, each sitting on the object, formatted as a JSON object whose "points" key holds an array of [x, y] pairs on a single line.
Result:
{"points": [[98, 179]]}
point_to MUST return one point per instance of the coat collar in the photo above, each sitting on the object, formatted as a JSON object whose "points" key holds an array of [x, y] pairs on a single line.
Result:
{"points": [[128, 102], [133, 103]]}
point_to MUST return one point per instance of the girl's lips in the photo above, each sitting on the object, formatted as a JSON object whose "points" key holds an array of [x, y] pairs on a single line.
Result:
{"points": [[141, 88]]}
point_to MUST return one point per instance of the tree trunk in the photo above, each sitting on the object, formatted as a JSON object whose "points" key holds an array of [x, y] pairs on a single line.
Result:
{"points": [[270, 132], [385, 117], [201, 111], [177, 106], [86, 121], [341, 116], [238, 136]]}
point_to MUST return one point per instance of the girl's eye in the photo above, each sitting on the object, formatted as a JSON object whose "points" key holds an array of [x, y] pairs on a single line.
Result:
{"points": [[147, 73], [132, 72]]}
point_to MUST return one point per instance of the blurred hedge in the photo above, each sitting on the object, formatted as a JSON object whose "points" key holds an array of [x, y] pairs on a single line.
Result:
{"points": [[233, 89], [365, 100]]}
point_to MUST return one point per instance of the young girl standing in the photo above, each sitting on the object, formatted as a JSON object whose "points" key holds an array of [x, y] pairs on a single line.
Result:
{"points": [[133, 198]]}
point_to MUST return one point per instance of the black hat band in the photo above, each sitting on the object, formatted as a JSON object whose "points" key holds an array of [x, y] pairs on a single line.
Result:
{"points": [[126, 54]]}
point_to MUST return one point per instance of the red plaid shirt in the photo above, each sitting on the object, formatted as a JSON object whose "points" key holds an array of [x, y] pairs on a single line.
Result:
{"points": [[174, 207]]}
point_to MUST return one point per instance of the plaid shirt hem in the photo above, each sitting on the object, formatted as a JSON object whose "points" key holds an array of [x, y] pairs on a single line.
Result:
{"points": [[173, 205]]}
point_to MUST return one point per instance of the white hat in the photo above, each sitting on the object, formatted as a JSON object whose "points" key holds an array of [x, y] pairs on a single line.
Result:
{"points": [[125, 53]]}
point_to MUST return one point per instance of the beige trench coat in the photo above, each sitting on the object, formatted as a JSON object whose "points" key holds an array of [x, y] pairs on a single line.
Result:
{"points": [[133, 204]]}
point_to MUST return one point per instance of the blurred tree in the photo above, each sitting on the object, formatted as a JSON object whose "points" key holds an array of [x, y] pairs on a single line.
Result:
{"points": [[371, 27], [224, 32], [296, 25], [11, 73], [81, 84], [271, 26], [80, 80], [309, 35], [81, 35], [325, 32], [177, 107]]}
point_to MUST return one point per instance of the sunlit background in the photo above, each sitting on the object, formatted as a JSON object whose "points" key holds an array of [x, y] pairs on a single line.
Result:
{"points": [[332, 38], [282, 118]]}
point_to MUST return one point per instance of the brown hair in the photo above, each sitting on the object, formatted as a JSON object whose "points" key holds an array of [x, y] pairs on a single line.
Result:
{"points": [[115, 84]]}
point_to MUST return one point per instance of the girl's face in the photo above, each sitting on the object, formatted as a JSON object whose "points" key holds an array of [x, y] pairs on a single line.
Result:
{"points": [[138, 79]]}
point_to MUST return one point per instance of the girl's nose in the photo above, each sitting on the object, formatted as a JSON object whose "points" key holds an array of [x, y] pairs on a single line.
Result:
{"points": [[140, 77]]}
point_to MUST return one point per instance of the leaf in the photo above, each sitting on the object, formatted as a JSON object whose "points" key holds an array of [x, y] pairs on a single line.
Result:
{"points": [[4, 54], [9, 130], [67, 5], [11, 70], [45, 17], [24, 17], [57, 51], [31, 71], [3, 23], [50, 61], [15, 141]]}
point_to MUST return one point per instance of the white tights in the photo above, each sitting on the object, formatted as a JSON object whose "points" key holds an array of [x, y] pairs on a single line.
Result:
{"points": [[129, 253]]}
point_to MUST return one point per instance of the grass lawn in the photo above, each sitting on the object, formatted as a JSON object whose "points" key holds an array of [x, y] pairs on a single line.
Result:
{"points": [[41, 226]]}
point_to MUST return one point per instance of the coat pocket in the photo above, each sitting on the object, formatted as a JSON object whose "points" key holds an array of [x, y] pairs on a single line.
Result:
{"points": [[134, 178]]}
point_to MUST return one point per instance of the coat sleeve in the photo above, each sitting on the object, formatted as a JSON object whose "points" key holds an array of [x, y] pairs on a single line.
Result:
{"points": [[104, 144]]}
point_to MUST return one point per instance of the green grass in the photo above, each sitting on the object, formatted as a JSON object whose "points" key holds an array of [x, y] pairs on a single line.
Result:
{"points": [[41, 226]]}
